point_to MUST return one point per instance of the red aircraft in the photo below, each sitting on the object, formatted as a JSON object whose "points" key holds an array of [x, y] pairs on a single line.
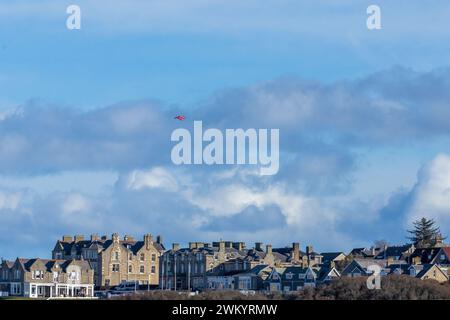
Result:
{"points": [[181, 118]]}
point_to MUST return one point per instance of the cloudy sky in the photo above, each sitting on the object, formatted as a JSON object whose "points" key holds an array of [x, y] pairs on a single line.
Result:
{"points": [[86, 117]]}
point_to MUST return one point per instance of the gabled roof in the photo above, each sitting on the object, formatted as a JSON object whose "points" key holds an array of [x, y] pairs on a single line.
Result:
{"points": [[296, 271], [8, 264], [323, 272], [427, 268], [330, 256]]}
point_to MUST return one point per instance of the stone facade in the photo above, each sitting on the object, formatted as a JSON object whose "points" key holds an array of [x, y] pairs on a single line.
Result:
{"points": [[41, 278], [201, 263], [115, 260]]}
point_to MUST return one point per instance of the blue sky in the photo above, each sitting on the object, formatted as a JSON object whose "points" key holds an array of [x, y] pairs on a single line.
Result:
{"points": [[86, 116]]}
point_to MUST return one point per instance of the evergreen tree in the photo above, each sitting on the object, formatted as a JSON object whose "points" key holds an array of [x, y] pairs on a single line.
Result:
{"points": [[425, 233]]}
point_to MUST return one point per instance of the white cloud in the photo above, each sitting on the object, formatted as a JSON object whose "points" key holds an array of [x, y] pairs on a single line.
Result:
{"points": [[154, 178], [431, 194], [75, 203], [9, 201]]}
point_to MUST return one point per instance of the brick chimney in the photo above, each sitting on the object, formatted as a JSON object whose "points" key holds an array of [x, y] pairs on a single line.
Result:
{"points": [[296, 251], [175, 246], [78, 238], [258, 246], [269, 249], [67, 238]]}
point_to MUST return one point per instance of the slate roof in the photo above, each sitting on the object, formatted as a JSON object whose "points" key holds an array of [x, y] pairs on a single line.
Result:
{"points": [[330, 256], [403, 267], [134, 246], [323, 272], [393, 251], [49, 264], [426, 255]]}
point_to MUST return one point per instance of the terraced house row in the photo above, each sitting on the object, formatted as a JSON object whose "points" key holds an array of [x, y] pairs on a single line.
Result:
{"points": [[79, 265]]}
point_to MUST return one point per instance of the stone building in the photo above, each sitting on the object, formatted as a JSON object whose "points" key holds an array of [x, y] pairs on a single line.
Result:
{"points": [[191, 268], [115, 260], [41, 278]]}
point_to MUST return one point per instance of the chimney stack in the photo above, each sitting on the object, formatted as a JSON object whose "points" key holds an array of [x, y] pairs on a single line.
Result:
{"points": [[115, 237], [175, 246], [148, 240], [258, 246], [78, 238], [159, 239], [239, 246], [67, 238], [104, 238], [128, 238], [222, 246], [269, 249], [94, 237], [309, 249], [296, 251]]}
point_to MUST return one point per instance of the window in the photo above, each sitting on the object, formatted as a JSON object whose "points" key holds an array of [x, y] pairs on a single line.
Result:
{"points": [[73, 275], [116, 255], [142, 257], [17, 274], [55, 276], [142, 269], [115, 267], [289, 276], [37, 274], [153, 269], [130, 269], [130, 256], [442, 257], [153, 257]]}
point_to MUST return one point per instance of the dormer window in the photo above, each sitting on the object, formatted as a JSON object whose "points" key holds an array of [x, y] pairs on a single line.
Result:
{"points": [[37, 274], [289, 275]]}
